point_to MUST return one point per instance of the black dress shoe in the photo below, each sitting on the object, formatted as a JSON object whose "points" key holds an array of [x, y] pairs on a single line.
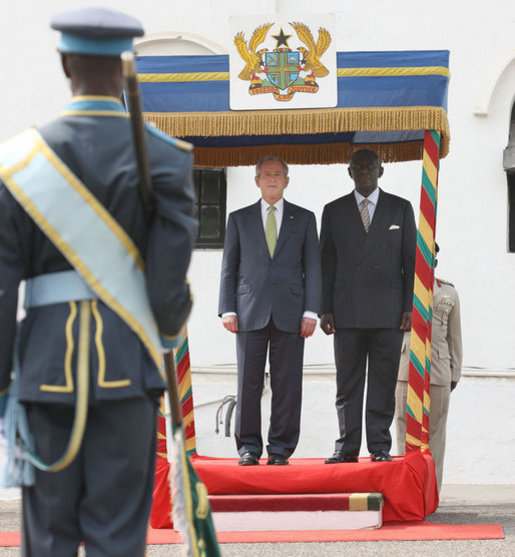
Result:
{"points": [[381, 456], [341, 456], [248, 459], [277, 460]]}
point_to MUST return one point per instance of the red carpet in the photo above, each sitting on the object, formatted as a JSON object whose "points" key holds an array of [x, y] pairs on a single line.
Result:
{"points": [[412, 531]]}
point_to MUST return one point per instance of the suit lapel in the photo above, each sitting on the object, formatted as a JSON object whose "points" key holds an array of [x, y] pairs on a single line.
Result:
{"points": [[256, 226], [286, 226], [379, 223], [356, 224]]}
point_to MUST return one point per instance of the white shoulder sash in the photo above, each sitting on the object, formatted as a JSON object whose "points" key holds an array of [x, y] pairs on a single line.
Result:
{"points": [[82, 229]]}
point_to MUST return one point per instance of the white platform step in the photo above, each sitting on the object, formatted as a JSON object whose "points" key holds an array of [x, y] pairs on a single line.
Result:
{"points": [[278, 512]]}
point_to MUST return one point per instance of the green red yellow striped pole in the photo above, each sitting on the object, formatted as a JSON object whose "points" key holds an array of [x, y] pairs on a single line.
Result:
{"points": [[162, 451], [182, 364], [162, 499], [417, 412], [183, 367]]}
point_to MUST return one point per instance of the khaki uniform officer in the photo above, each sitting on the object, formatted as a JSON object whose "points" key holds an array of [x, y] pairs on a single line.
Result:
{"points": [[446, 358]]}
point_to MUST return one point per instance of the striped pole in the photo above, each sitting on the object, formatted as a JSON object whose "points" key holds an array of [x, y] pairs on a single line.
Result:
{"points": [[162, 451], [162, 497], [183, 366], [417, 411]]}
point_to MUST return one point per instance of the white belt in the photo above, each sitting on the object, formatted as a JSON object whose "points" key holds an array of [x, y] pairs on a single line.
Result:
{"points": [[56, 288]]}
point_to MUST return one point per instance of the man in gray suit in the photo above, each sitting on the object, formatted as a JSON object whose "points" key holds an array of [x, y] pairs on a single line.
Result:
{"points": [[368, 242], [446, 359], [270, 296]]}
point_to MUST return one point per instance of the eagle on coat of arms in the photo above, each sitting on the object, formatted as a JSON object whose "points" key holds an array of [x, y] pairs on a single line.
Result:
{"points": [[283, 71], [252, 58]]}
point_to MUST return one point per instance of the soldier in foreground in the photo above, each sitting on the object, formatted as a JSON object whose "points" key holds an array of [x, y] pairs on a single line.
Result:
{"points": [[105, 289]]}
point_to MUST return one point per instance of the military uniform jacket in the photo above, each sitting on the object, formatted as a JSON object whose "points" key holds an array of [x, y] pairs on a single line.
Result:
{"points": [[446, 344], [93, 138], [368, 278]]}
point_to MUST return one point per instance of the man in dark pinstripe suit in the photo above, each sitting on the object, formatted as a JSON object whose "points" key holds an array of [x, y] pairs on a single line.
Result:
{"points": [[368, 242]]}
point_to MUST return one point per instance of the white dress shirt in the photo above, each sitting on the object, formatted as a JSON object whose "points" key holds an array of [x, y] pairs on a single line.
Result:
{"points": [[278, 213], [372, 202]]}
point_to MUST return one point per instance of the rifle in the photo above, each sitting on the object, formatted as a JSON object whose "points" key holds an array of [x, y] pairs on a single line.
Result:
{"points": [[197, 525], [145, 191]]}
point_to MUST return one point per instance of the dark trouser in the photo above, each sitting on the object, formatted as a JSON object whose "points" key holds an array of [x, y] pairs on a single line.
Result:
{"points": [[286, 356], [383, 349], [103, 498]]}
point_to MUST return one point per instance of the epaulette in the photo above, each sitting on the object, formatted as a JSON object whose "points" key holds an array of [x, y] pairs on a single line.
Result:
{"points": [[184, 145], [441, 281], [179, 143]]}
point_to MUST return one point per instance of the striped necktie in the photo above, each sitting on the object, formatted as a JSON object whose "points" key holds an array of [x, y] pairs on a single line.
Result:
{"points": [[271, 230], [365, 216]]}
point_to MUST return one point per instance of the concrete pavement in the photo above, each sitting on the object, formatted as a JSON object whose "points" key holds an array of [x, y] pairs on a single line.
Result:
{"points": [[460, 504]]}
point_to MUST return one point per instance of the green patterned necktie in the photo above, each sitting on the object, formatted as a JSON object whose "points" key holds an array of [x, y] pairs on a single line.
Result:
{"points": [[271, 230]]}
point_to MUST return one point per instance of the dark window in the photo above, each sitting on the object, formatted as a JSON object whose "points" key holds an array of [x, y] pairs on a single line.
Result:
{"points": [[509, 167], [210, 186], [511, 211]]}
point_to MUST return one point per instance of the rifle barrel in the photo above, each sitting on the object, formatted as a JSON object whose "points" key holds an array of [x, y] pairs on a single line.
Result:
{"points": [[145, 189], [138, 132]]}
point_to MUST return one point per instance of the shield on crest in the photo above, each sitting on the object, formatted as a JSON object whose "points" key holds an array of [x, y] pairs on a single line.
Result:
{"points": [[282, 67]]}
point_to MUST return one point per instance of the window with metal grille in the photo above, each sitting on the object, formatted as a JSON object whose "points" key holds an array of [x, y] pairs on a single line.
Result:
{"points": [[211, 188]]}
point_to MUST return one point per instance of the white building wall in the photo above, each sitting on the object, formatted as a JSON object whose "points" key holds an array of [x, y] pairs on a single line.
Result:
{"points": [[472, 216], [472, 213]]}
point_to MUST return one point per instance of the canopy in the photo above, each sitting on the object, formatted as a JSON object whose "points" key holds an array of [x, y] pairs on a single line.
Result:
{"points": [[393, 102], [385, 101]]}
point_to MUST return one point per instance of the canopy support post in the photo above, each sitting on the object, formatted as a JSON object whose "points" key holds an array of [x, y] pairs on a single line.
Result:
{"points": [[182, 363], [418, 402]]}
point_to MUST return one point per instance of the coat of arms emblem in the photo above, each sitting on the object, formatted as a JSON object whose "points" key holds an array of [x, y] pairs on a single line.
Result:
{"points": [[283, 71]]}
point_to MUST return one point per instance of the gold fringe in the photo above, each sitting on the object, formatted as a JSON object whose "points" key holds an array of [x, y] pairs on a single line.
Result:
{"points": [[326, 120], [323, 120], [326, 153]]}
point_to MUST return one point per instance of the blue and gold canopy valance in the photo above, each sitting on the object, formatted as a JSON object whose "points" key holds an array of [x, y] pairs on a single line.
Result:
{"points": [[385, 101]]}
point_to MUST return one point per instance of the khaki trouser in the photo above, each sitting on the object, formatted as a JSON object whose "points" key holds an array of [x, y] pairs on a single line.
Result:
{"points": [[440, 398]]}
